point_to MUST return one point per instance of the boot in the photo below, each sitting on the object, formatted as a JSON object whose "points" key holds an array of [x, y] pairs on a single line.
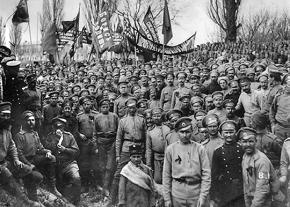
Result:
{"points": [[53, 189]]}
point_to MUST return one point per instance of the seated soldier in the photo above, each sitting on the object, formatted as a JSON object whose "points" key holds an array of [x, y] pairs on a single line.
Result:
{"points": [[32, 152], [10, 165], [136, 184], [64, 147]]}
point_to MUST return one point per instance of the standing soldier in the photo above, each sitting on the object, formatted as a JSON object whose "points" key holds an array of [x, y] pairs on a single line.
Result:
{"points": [[155, 145], [258, 172], [186, 172], [218, 103], [226, 172], [65, 149], [166, 93], [131, 130], [50, 111], [86, 124], [106, 125], [32, 152], [172, 116], [10, 164], [120, 106], [31, 100], [279, 112], [211, 122]]}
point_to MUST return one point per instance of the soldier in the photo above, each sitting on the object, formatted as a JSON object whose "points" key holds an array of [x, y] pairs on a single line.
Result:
{"points": [[261, 94], [229, 106], [119, 106], [180, 91], [211, 122], [31, 100], [131, 130], [219, 110], [106, 125], [172, 116], [10, 165], [279, 113], [226, 172], [65, 149], [50, 111], [167, 92], [155, 144], [258, 172], [185, 107], [275, 86], [186, 171], [86, 124]]}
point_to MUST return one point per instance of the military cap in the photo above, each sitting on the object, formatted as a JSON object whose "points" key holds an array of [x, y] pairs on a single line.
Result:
{"points": [[134, 76], [5, 107], [53, 93], [142, 101], [181, 72], [75, 86], [246, 133], [104, 102], [195, 75], [172, 113], [85, 99], [227, 102], [262, 75], [83, 91], [131, 102], [58, 121], [217, 93], [135, 149], [250, 71], [157, 110], [27, 114], [274, 69], [200, 113], [93, 75], [183, 123], [228, 122], [196, 99], [186, 95], [245, 80], [90, 85], [123, 79], [159, 76], [210, 119], [13, 63], [31, 77]]}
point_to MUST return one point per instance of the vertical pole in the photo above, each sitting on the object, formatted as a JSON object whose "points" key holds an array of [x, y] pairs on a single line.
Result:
{"points": [[163, 54], [30, 52]]}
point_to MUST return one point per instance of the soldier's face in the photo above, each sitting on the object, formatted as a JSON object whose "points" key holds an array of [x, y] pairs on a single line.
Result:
{"points": [[228, 133], [212, 128], [30, 122], [230, 109], [156, 117], [249, 144], [136, 159], [246, 87], [132, 109], [185, 135], [217, 101], [123, 89], [264, 82], [105, 108]]}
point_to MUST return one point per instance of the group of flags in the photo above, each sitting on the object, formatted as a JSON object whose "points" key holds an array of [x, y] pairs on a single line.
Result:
{"points": [[101, 33]]}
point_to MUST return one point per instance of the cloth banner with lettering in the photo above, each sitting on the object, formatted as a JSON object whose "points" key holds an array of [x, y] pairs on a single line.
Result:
{"points": [[151, 30]]}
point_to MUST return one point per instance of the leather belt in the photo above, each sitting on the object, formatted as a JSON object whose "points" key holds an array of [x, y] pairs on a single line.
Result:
{"points": [[188, 181]]}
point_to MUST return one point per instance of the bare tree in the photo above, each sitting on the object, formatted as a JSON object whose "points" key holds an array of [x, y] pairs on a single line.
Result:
{"points": [[224, 13], [2, 32], [15, 36], [265, 27]]}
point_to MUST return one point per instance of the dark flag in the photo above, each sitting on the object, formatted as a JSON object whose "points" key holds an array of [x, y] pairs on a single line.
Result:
{"points": [[166, 29], [49, 40], [74, 24], [150, 25], [21, 14]]}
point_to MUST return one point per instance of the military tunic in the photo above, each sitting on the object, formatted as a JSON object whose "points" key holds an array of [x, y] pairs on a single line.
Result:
{"points": [[155, 147], [257, 173], [120, 107], [177, 93], [166, 97], [227, 177], [211, 144], [49, 112], [186, 172]]}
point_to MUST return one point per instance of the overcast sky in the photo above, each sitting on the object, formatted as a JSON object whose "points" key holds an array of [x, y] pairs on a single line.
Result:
{"points": [[193, 17]]}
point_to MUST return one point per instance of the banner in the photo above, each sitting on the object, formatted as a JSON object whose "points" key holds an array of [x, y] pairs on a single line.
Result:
{"points": [[145, 44], [102, 37], [166, 29], [21, 14], [149, 22]]}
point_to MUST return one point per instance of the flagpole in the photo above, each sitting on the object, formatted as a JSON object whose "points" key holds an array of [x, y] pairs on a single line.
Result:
{"points": [[163, 53], [30, 46]]}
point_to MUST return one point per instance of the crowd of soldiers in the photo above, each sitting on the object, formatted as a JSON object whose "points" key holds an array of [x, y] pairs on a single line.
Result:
{"points": [[211, 133]]}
